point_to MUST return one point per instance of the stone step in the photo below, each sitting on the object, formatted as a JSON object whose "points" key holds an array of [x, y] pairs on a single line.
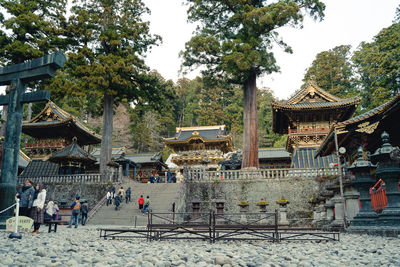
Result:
{"points": [[161, 197]]}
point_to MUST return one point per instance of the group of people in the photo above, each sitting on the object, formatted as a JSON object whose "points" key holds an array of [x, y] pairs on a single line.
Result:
{"points": [[78, 208], [144, 204], [32, 204], [119, 197]]}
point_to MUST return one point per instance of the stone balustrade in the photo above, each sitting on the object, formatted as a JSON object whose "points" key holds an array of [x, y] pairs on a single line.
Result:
{"points": [[90, 178], [202, 175]]}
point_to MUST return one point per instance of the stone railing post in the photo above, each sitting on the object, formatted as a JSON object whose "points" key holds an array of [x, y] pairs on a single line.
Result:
{"points": [[351, 197]]}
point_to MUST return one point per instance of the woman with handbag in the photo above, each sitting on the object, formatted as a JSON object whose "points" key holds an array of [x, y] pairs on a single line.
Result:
{"points": [[37, 213]]}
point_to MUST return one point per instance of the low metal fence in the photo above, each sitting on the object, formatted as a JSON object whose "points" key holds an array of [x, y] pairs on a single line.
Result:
{"points": [[214, 227]]}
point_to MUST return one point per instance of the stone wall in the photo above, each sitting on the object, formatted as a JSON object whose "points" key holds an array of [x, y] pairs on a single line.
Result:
{"points": [[91, 192], [297, 190]]}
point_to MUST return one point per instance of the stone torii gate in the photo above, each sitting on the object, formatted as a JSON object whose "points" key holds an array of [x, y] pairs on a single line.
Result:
{"points": [[16, 76]]}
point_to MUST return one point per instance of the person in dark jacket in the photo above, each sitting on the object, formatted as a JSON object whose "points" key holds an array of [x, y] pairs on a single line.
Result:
{"points": [[84, 212], [26, 195], [117, 200], [128, 195]]}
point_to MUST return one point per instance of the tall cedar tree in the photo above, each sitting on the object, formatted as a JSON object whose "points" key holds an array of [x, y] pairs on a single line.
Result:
{"points": [[108, 56], [234, 40], [31, 29]]}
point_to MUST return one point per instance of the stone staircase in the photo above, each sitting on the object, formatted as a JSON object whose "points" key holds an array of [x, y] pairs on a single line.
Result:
{"points": [[161, 195]]}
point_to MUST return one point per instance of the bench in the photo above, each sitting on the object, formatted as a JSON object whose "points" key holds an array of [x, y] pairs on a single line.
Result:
{"points": [[55, 223]]}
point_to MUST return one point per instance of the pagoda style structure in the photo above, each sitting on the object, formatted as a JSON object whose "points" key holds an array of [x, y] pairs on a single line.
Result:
{"points": [[201, 146], [56, 145], [73, 159], [306, 118], [53, 129]]}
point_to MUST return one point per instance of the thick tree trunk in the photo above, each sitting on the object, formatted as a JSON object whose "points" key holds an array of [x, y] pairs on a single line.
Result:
{"points": [[106, 139], [250, 137]]}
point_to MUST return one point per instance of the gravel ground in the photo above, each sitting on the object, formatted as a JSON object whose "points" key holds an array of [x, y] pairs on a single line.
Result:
{"points": [[83, 247]]}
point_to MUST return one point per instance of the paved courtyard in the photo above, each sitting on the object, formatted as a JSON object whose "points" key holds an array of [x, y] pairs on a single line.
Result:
{"points": [[83, 247]]}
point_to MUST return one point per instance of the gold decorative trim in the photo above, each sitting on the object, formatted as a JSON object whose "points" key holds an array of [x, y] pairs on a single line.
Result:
{"points": [[195, 133], [366, 127], [194, 128]]}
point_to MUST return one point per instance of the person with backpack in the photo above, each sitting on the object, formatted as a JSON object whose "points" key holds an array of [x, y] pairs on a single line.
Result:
{"points": [[76, 207], [146, 205], [84, 212], [141, 201]]}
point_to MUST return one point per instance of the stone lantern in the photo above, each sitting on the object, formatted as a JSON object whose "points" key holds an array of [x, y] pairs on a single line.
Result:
{"points": [[263, 209], [362, 182], [244, 208], [283, 202], [328, 205], [387, 159]]}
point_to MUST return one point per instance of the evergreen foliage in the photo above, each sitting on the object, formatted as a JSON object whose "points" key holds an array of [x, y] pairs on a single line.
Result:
{"points": [[234, 40]]}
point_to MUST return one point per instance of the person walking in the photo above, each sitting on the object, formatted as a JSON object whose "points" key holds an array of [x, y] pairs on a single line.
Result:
{"points": [[121, 192], [109, 198], [169, 176], [112, 190], [84, 212], [25, 196], [146, 205], [117, 201], [128, 195], [141, 201], [37, 213], [76, 206]]}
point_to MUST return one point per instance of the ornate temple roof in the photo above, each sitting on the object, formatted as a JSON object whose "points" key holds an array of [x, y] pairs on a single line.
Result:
{"points": [[73, 152], [311, 98], [368, 126], [54, 122], [206, 134]]}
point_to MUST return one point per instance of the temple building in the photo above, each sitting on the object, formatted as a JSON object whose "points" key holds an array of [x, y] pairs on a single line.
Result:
{"points": [[201, 146], [140, 166], [365, 130], [273, 158], [306, 118], [56, 144]]}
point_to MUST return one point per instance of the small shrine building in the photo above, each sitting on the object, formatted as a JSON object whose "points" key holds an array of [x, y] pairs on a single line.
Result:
{"points": [[306, 118], [56, 147], [200, 146]]}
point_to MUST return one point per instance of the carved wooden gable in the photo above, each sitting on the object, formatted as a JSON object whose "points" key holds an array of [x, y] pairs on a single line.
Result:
{"points": [[312, 94]]}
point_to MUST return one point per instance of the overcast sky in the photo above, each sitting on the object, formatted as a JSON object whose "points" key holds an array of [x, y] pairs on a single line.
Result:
{"points": [[345, 22]]}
